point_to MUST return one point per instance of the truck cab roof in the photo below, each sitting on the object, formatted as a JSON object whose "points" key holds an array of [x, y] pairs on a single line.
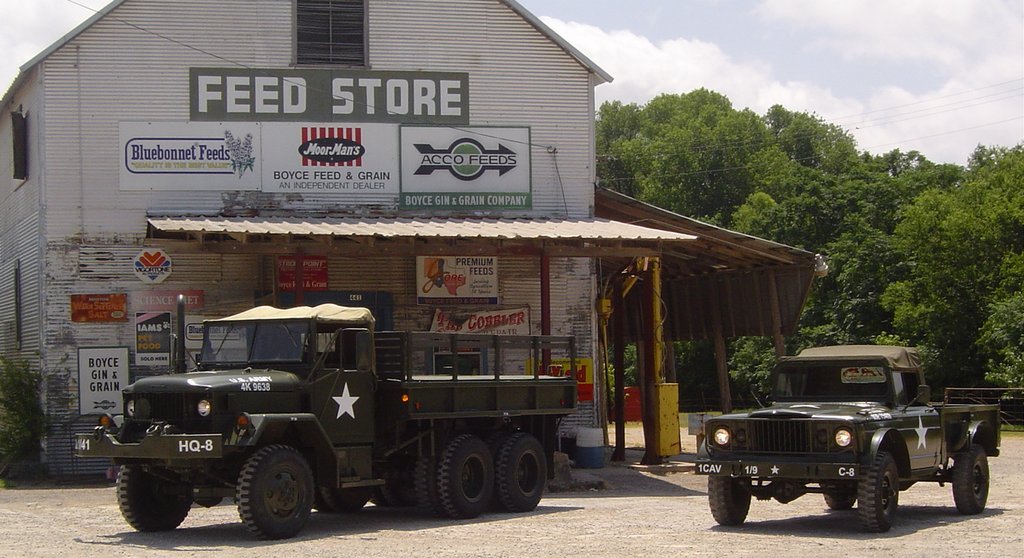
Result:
{"points": [[895, 357], [323, 313]]}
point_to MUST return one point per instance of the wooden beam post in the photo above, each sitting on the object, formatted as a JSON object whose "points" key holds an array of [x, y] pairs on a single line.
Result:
{"points": [[721, 358]]}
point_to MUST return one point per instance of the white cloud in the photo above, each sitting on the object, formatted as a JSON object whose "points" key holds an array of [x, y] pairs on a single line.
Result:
{"points": [[943, 123], [26, 31]]}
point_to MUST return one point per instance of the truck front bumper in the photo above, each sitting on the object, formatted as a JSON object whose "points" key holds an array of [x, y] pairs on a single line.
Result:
{"points": [[768, 469], [102, 443]]}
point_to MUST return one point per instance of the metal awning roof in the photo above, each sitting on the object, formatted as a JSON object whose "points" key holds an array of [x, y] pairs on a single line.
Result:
{"points": [[593, 237]]}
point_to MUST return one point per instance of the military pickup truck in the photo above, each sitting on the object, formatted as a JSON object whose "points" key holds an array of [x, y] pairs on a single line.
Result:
{"points": [[302, 408], [855, 424]]}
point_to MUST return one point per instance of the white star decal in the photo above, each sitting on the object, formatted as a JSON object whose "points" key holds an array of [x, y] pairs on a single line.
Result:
{"points": [[346, 403], [922, 432], [775, 469]]}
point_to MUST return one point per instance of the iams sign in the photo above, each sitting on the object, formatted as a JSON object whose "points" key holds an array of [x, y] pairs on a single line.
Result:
{"points": [[224, 94]]}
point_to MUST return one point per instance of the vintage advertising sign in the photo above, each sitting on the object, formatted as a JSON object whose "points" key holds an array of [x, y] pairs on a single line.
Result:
{"points": [[512, 321], [152, 265], [465, 168], [194, 332], [167, 300], [584, 374], [328, 95], [356, 159], [457, 279], [152, 338], [314, 273], [189, 156], [96, 308], [102, 373]]}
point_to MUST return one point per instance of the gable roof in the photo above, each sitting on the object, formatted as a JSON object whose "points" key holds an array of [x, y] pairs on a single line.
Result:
{"points": [[102, 12]]}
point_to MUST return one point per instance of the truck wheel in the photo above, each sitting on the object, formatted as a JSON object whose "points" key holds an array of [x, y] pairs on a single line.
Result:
{"points": [[970, 480], [399, 488], [841, 498], [149, 503], [425, 485], [275, 492], [729, 499], [520, 473], [878, 494], [465, 477], [345, 500]]}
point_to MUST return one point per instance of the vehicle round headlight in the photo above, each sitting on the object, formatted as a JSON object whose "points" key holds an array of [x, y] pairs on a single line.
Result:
{"points": [[203, 408], [130, 408], [722, 436], [844, 438]]}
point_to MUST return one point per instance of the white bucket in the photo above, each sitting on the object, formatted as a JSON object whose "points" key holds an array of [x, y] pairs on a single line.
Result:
{"points": [[590, 448]]}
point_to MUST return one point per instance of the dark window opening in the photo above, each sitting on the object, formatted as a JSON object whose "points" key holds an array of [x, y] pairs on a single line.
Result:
{"points": [[330, 32], [17, 305], [19, 128]]}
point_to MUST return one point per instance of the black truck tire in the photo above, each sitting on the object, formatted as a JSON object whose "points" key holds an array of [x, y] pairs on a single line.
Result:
{"points": [[970, 480], [520, 473], [425, 485], [275, 492], [878, 494], [465, 477], [149, 503], [840, 498], [729, 500]]}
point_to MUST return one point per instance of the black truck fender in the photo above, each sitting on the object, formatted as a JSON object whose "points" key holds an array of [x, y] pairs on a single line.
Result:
{"points": [[981, 434], [304, 432], [890, 440]]}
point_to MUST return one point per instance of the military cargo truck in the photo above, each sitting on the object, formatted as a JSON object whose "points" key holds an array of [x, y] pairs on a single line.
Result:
{"points": [[853, 423], [303, 408]]}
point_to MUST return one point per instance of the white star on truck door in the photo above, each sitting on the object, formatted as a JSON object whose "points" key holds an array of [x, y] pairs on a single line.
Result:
{"points": [[346, 403], [922, 433]]}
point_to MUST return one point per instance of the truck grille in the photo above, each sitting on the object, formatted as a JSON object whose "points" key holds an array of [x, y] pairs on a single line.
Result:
{"points": [[783, 436], [178, 409]]}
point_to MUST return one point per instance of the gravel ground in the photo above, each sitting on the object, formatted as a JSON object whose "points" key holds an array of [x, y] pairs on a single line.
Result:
{"points": [[642, 512]]}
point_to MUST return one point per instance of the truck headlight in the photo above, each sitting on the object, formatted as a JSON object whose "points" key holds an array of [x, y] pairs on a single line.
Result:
{"points": [[844, 437], [203, 408], [722, 436], [130, 408]]}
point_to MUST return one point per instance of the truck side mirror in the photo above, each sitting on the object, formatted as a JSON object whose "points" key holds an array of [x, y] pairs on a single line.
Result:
{"points": [[924, 394], [364, 351]]}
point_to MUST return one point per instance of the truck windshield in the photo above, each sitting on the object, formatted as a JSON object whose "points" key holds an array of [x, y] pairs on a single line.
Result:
{"points": [[254, 342], [832, 383]]}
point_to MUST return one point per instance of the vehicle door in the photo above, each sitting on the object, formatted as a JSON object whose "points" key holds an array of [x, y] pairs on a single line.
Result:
{"points": [[919, 422], [342, 393]]}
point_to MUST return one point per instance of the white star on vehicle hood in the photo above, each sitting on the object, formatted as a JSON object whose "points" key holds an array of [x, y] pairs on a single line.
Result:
{"points": [[346, 403]]}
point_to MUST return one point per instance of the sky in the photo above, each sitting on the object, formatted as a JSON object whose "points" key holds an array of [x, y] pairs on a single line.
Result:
{"points": [[936, 76]]}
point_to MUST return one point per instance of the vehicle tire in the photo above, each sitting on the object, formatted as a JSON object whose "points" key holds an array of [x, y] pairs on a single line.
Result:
{"points": [[878, 494], [465, 477], [729, 499], [345, 500], [425, 485], [841, 498], [970, 480], [275, 492], [149, 503], [399, 488], [520, 473]]}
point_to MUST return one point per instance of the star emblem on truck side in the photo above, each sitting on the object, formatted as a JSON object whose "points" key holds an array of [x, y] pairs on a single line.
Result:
{"points": [[346, 403], [922, 433]]}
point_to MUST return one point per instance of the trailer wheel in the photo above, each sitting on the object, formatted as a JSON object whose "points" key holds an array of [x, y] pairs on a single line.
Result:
{"points": [[275, 492], [729, 500], [344, 500], [840, 498], [520, 473], [878, 494], [149, 503], [465, 477], [970, 480]]}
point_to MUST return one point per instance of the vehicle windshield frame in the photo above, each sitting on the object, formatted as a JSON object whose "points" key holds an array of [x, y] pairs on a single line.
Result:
{"points": [[255, 342], [864, 391]]}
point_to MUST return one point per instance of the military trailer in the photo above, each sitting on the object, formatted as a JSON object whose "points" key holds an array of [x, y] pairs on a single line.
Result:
{"points": [[303, 408], [853, 423]]}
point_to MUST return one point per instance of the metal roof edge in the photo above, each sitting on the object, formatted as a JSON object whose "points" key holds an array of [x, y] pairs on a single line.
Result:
{"points": [[25, 68], [558, 40], [624, 199]]}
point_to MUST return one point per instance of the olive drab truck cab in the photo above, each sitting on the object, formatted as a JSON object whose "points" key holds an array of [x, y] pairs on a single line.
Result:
{"points": [[291, 410], [855, 424]]}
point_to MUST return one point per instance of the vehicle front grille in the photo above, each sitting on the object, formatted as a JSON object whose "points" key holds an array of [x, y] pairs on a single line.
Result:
{"points": [[781, 436], [178, 409]]}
